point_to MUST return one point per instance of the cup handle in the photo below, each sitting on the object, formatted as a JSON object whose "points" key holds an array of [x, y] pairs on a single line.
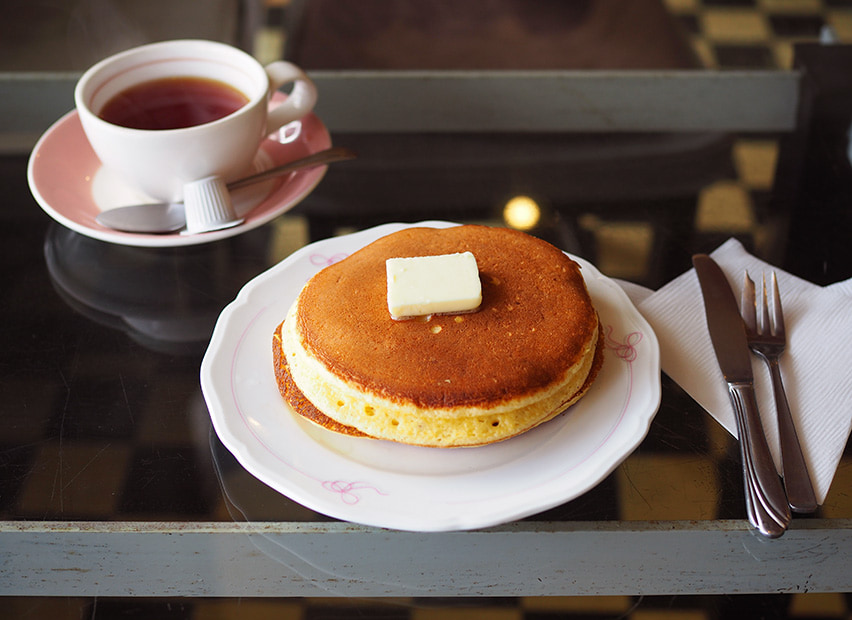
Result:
{"points": [[300, 101]]}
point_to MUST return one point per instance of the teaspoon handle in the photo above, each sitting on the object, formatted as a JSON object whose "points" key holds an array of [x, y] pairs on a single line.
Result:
{"points": [[336, 153]]}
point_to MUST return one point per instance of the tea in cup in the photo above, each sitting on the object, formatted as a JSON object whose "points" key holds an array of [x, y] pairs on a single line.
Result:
{"points": [[166, 114]]}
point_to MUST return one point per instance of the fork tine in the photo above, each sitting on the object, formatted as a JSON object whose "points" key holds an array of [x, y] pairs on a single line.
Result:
{"points": [[764, 326], [747, 301], [777, 313]]}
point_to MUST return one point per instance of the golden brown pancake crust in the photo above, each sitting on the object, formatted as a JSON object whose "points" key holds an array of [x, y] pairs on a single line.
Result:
{"points": [[535, 321], [303, 407]]}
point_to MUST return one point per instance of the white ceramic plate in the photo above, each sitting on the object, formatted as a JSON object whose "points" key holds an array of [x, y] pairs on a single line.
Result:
{"points": [[391, 485], [71, 186]]}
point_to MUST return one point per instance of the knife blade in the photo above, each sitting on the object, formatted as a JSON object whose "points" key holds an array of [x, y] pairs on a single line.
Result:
{"points": [[765, 498]]}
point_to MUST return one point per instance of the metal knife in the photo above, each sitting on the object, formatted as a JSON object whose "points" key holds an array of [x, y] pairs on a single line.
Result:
{"points": [[766, 501]]}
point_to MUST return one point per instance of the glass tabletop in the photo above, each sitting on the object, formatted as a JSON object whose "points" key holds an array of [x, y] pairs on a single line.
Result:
{"points": [[104, 428]]}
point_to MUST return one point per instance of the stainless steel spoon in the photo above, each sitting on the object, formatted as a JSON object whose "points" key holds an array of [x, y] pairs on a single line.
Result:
{"points": [[167, 217]]}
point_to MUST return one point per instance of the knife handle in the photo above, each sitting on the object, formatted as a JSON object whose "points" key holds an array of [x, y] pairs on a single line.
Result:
{"points": [[757, 513], [759, 471]]}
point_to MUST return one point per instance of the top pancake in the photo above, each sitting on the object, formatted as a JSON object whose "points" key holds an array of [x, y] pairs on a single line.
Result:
{"points": [[536, 321]]}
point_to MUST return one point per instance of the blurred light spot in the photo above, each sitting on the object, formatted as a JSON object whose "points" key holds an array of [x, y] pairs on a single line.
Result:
{"points": [[522, 212]]}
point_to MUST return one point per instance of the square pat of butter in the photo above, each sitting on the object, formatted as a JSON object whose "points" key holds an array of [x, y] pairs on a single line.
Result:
{"points": [[424, 285]]}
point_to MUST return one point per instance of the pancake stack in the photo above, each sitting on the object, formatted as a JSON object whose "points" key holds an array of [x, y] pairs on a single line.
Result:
{"points": [[531, 350]]}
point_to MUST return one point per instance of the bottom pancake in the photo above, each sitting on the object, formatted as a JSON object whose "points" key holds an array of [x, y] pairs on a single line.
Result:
{"points": [[307, 410], [293, 395]]}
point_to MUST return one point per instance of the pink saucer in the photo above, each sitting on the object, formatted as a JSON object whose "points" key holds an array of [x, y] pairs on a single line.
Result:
{"points": [[68, 181]]}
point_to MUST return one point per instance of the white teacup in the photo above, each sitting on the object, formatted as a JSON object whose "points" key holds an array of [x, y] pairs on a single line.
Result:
{"points": [[160, 161]]}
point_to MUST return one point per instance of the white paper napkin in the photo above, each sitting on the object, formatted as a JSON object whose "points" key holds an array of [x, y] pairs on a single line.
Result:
{"points": [[816, 368]]}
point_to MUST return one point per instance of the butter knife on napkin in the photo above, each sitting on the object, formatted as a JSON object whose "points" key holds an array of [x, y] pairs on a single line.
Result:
{"points": [[766, 501]]}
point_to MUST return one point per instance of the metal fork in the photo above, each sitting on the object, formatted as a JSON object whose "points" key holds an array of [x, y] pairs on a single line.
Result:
{"points": [[768, 339]]}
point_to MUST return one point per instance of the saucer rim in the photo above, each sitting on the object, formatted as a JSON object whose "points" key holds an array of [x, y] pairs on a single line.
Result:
{"points": [[319, 141]]}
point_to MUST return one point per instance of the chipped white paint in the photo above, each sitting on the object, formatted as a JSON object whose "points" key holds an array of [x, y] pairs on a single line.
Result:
{"points": [[530, 559]]}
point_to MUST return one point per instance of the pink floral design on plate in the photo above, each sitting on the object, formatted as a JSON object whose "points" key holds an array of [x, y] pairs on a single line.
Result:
{"points": [[320, 260], [625, 350], [347, 490]]}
